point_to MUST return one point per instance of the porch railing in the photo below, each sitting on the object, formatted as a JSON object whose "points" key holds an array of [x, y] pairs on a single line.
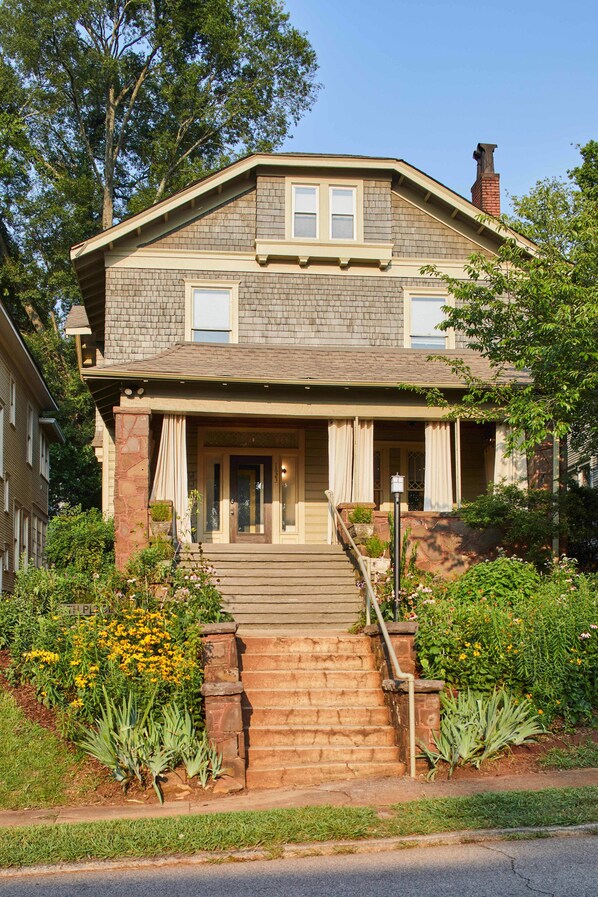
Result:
{"points": [[372, 601]]}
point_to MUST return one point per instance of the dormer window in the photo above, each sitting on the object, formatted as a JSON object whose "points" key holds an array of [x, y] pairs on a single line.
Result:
{"points": [[342, 213], [305, 211]]}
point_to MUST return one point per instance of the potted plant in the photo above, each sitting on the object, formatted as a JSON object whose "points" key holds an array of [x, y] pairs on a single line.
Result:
{"points": [[362, 523], [376, 550], [161, 518]]}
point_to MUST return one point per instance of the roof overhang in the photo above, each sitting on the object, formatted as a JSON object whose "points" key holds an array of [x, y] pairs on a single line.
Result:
{"points": [[52, 429]]}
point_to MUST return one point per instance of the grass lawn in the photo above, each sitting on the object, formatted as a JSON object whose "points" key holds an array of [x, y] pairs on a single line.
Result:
{"points": [[35, 768], [273, 828], [575, 757]]}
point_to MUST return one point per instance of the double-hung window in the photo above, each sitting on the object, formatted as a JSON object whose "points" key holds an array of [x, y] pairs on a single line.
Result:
{"points": [[305, 211], [342, 213], [424, 314], [212, 315], [44, 455], [29, 448]]}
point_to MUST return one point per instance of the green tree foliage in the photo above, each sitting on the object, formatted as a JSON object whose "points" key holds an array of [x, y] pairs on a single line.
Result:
{"points": [[537, 313], [106, 106]]}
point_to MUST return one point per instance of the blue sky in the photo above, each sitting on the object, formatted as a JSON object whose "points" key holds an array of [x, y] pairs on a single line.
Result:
{"points": [[426, 82]]}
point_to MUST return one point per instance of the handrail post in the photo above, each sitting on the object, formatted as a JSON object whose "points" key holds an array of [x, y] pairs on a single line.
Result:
{"points": [[373, 602]]}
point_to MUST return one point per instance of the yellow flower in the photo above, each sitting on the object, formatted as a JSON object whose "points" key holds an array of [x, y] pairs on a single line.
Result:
{"points": [[540, 712], [462, 656], [77, 703]]}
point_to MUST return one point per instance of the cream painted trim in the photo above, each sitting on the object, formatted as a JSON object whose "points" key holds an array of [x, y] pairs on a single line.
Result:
{"points": [[343, 253], [247, 165], [425, 292], [223, 286], [323, 230], [245, 263], [285, 408]]}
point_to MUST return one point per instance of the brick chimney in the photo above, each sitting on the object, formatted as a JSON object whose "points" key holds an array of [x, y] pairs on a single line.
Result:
{"points": [[485, 193]]}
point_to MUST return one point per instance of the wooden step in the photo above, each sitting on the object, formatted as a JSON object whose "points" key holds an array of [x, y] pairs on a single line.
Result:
{"points": [[264, 643]]}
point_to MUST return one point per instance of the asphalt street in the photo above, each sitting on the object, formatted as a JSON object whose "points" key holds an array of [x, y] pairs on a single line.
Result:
{"points": [[557, 867]]}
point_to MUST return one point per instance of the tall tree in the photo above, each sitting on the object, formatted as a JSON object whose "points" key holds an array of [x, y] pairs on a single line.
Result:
{"points": [[538, 313], [106, 106]]}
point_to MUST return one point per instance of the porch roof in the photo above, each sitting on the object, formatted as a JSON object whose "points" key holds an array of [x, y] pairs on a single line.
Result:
{"points": [[289, 364]]}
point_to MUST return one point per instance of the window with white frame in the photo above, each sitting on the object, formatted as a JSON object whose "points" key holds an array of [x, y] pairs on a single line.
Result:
{"points": [[17, 520], [13, 401], [29, 449], [38, 540], [6, 558], [423, 315], [342, 213], [44, 455], [1, 440], [6, 493], [212, 314], [25, 538], [305, 211]]}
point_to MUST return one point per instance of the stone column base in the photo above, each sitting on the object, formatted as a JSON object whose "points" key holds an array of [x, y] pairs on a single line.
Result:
{"points": [[427, 713]]}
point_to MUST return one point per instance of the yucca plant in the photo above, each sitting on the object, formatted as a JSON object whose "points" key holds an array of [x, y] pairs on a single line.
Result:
{"points": [[478, 727]]}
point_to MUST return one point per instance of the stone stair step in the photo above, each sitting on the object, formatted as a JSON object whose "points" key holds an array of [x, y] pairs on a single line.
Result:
{"points": [[316, 660], [313, 697], [368, 736], [282, 618], [311, 679], [315, 716], [316, 774], [266, 757], [263, 643]]}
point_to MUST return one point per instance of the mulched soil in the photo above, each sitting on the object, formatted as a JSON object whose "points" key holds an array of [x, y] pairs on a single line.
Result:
{"points": [[519, 761]]}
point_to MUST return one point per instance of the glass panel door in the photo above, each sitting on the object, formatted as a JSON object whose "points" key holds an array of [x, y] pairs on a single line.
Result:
{"points": [[251, 499]]}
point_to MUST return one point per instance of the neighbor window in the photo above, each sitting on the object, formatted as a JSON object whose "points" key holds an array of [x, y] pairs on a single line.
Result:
{"points": [[425, 314], [44, 456], [342, 213], [305, 211], [29, 454], [1, 440], [13, 401], [212, 315]]}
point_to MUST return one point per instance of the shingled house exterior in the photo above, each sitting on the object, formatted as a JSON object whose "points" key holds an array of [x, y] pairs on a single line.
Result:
{"points": [[253, 338]]}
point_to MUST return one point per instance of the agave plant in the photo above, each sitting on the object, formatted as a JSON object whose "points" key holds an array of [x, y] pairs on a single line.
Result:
{"points": [[476, 727]]}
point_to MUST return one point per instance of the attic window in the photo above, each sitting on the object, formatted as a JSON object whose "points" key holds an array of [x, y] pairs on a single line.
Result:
{"points": [[305, 211], [342, 213]]}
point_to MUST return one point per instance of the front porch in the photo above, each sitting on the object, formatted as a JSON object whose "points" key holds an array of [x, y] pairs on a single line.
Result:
{"points": [[264, 482]]}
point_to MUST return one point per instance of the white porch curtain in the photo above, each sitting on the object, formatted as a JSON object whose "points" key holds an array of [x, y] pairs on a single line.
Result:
{"points": [[363, 461], [170, 481], [438, 478], [350, 463], [511, 470]]}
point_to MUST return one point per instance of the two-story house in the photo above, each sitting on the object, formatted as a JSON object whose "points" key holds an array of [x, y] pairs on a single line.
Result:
{"points": [[27, 428], [252, 337]]}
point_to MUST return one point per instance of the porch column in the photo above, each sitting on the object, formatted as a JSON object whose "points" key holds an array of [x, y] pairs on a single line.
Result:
{"points": [[438, 477], [131, 482]]}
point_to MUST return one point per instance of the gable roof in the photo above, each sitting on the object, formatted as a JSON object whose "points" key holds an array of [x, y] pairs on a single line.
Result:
{"points": [[88, 256]]}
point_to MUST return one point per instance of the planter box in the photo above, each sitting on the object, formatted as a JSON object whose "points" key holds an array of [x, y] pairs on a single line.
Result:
{"points": [[361, 531], [160, 527]]}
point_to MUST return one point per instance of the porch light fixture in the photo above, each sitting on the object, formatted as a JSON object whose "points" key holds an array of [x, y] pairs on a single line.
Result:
{"points": [[397, 487]]}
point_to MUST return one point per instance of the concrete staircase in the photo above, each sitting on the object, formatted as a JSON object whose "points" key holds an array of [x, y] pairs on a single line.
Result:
{"points": [[290, 587], [313, 710]]}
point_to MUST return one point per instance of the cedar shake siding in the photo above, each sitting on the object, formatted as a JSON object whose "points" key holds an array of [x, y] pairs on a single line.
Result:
{"points": [[229, 228], [416, 234], [145, 309]]}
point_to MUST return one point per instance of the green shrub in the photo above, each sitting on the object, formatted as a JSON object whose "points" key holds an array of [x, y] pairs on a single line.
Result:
{"points": [[498, 582], [542, 645], [526, 519], [359, 514], [80, 540], [375, 547], [161, 511], [153, 563], [475, 728]]}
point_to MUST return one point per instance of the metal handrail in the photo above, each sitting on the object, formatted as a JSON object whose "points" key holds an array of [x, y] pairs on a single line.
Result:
{"points": [[373, 602]]}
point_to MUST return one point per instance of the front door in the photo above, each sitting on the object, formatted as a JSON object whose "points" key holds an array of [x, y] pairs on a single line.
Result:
{"points": [[250, 498]]}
